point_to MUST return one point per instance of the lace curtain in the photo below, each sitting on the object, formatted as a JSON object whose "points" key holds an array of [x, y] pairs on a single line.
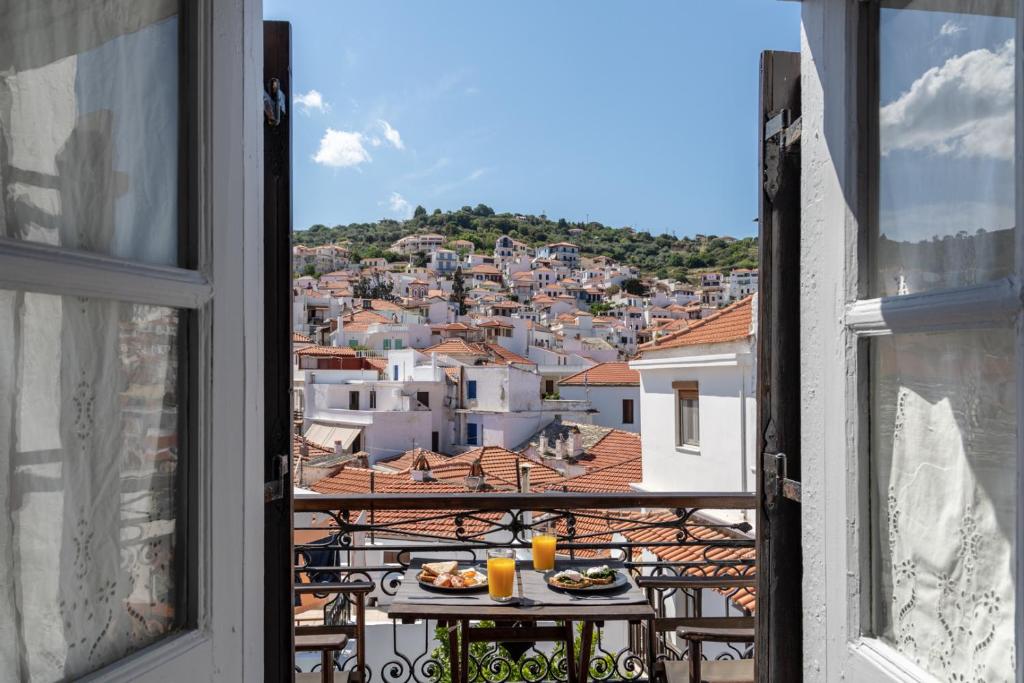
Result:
{"points": [[88, 388], [944, 461]]}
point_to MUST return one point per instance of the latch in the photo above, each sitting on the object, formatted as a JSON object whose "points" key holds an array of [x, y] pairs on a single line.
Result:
{"points": [[275, 490], [781, 138], [776, 483]]}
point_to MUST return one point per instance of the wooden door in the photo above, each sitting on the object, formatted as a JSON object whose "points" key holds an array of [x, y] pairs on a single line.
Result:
{"points": [[779, 614], [277, 223]]}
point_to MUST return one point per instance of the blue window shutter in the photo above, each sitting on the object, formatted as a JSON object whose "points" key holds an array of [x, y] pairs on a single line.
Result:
{"points": [[471, 389], [471, 433], [394, 372]]}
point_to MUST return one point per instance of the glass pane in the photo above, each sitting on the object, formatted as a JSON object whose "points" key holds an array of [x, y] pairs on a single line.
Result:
{"points": [[89, 126], [89, 450], [946, 136], [943, 469]]}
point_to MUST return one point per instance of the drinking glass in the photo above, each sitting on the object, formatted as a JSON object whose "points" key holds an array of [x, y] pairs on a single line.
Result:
{"points": [[501, 574], [542, 546]]}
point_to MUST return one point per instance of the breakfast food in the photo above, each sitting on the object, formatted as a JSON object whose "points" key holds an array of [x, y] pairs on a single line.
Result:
{"points": [[600, 576], [448, 575], [438, 568], [569, 578]]}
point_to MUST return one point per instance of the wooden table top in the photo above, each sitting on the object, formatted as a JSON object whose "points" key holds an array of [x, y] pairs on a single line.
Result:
{"points": [[527, 608]]}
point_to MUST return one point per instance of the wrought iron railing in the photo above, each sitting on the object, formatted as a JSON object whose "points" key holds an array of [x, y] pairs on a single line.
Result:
{"points": [[692, 553]]}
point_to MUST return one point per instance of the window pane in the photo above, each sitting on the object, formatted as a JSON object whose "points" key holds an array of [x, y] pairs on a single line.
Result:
{"points": [[89, 447], [946, 142], [89, 127], [943, 471]]}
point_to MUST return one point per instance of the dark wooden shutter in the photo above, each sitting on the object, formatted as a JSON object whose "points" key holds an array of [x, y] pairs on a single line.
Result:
{"points": [[779, 559], [277, 289]]}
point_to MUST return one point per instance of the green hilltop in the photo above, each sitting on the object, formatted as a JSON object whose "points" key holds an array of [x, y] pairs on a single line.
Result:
{"points": [[661, 255]]}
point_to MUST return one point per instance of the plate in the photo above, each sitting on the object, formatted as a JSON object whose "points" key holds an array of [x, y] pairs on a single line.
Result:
{"points": [[619, 582], [482, 586]]}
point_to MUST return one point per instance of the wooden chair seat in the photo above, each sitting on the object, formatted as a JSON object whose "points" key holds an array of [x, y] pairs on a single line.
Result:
{"points": [[321, 642], [714, 671]]}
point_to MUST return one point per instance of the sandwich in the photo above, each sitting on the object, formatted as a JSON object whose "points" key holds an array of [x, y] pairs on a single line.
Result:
{"points": [[569, 578], [601, 576]]}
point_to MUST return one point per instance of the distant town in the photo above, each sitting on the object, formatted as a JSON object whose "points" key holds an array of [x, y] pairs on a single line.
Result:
{"points": [[441, 366]]}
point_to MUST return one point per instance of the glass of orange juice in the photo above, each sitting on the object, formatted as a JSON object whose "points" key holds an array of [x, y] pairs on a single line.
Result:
{"points": [[501, 574], [542, 546]]}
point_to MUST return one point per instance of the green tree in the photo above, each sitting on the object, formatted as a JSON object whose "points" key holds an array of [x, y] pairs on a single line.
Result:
{"points": [[420, 212], [634, 286], [309, 269], [420, 259], [459, 290]]}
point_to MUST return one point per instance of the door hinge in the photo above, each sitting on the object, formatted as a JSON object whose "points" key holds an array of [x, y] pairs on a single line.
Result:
{"points": [[275, 490], [781, 139], [776, 483]]}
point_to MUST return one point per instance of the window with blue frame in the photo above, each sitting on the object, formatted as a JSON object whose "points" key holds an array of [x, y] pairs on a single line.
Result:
{"points": [[471, 389], [394, 373], [472, 433]]}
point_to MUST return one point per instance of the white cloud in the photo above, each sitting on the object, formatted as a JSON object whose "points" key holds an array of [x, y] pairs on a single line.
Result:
{"points": [[310, 101], [399, 205], [963, 108], [391, 135], [951, 28], [341, 149]]}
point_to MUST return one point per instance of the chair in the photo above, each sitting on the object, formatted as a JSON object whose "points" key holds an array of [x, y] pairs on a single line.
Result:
{"points": [[698, 630], [330, 638]]}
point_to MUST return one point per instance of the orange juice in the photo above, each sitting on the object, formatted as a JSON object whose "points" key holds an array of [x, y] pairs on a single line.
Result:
{"points": [[543, 547], [501, 576]]}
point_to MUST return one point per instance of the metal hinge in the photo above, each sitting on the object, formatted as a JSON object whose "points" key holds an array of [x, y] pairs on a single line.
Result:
{"points": [[776, 483], [275, 490], [788, 132]]}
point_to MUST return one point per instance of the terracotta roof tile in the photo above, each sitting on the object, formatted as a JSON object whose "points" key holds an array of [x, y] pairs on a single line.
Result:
{"points": [[731, 323], [327, 351], [300, 338], [611, 479], [604, 374]]}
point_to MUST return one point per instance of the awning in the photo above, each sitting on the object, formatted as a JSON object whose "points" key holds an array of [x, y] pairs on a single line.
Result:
{"points": [[324, 436]]}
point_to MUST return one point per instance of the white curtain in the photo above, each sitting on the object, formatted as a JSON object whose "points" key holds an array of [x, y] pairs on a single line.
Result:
{"points": [[944, 453], [88, 388]]}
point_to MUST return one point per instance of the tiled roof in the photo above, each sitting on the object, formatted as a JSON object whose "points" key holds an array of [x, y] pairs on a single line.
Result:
{"points": [[495, 323], [452, 374], [499, 352], [300, 338], [604, 374], [455, 346], [703, 557], [327, 352], [485, 269], [615, 447], [731, 323], [504, 464], [405, 460], [613, 478]]}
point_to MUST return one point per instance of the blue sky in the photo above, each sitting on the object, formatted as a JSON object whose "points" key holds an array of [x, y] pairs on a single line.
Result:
{"points": [[639, 114]]}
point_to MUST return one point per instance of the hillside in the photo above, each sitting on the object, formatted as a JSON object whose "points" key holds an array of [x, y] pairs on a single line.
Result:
{"points": [[661, 255]]}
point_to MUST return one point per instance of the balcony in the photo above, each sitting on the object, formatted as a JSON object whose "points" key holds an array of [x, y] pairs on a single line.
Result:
{"points": [[691, 556]]}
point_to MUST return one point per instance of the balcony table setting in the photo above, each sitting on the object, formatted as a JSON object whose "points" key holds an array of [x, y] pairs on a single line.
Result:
{"points": [[520, 597]]}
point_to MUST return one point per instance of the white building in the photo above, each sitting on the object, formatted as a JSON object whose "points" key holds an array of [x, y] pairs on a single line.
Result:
{"points": [[613, 390], [564, 253], [415, 244], [698, 387]]}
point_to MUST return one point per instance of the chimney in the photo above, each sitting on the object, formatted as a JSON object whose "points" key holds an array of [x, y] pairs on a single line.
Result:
{"points": [[524, 477], [575, 442], [542, 446], [338, 450], [361, 459], [420, 470], [304, 448], [476, 477]]}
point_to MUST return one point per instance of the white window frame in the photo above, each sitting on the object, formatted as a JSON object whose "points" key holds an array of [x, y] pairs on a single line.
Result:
{"points": [[225, 294], [835, 328]]}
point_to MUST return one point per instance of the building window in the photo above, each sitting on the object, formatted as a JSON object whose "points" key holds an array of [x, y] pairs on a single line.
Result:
{"points": [[627, 411], [471, 389], [373, 400], [398, 344], [387, 344], [423, 397], [353, 400], [394, 373], [472, 433], [687, 414]]}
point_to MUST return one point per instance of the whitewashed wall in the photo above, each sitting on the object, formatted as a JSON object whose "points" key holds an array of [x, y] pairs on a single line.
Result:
{"points": [[607, 401]]}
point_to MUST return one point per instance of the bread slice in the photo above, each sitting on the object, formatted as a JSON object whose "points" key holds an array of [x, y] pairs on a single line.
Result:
{"points": [[438, 568]]}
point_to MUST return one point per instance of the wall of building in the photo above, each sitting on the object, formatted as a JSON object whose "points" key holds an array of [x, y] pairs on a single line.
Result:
{"points": [[728, 414], [607, 401]]}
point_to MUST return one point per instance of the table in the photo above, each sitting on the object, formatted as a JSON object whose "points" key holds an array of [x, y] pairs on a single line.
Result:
{"points": [[536, 603]]}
